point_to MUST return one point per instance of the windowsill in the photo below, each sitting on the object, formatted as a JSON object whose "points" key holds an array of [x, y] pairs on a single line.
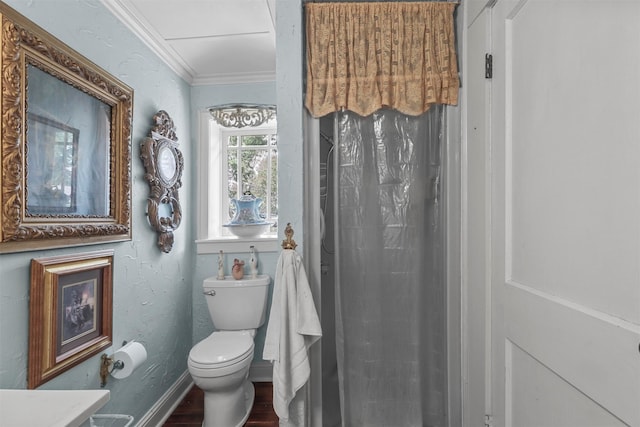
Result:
{"points": [[235, 244]]}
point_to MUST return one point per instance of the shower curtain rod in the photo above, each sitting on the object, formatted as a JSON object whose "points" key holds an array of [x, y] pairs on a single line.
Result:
{"points": [[382, 1]]}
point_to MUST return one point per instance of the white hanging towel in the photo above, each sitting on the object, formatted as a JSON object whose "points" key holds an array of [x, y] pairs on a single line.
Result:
{"points": [[293, 327]]}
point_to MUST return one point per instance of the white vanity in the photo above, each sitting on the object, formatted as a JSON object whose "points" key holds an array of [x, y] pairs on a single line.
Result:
{"points": [[52, 408]]}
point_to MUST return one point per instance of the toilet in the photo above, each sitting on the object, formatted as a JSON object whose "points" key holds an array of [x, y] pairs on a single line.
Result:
{"points": [[220, 363]]}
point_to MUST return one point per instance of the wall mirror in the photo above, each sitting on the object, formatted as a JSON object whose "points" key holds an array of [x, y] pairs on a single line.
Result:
{"points": [[163, 164], [65, 144]]}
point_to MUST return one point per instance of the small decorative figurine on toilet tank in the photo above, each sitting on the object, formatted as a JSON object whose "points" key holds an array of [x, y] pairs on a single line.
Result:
{"points": [[237, 271], [253, 262], [220, 265]]}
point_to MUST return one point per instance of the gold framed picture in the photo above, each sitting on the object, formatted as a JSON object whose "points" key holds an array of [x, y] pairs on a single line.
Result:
{"points": [[70, 312]]}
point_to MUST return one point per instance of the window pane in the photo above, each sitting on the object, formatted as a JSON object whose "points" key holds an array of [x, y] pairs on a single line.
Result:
{"points": [[255, 175], [262, 181], [273, 139], [232, 178], [248, 173], [233, 141], [253, 140]]}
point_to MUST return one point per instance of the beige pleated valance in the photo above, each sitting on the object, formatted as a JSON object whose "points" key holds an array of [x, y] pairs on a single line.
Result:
{"points": [[364, 56]]}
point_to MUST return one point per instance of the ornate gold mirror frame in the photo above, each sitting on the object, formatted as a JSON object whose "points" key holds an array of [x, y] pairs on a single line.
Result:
{"points": [[163, 163], [65, 144]]}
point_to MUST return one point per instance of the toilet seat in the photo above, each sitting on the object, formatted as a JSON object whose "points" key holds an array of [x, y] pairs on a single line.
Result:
{"points": [[222, 349]]}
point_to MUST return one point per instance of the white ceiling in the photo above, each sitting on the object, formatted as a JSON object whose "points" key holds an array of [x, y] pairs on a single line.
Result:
{"points": [[206, 41]]}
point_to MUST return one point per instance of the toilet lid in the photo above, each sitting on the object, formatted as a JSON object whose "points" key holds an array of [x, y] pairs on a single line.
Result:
{"points": [[222, 349]]}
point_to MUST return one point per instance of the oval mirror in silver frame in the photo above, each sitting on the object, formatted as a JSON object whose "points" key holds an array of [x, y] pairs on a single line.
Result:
{"points": [[163, 163]]}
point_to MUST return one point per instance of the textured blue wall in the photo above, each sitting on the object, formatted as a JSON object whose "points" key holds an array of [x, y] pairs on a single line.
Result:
{"points": [[152, 290]]}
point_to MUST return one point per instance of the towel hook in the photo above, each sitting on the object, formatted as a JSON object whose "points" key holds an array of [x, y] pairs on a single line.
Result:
{"points": [[288, 242]]}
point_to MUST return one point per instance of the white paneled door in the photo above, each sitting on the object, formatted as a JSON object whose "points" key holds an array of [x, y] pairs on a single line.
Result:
{"points": [[565, 213]]}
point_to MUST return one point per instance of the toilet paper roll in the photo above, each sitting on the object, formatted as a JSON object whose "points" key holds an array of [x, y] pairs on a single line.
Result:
{"points": [[132, 355]]}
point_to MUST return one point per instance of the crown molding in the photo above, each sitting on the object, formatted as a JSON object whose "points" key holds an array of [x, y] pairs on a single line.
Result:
{"points": [[125, 12], [236, 78]]}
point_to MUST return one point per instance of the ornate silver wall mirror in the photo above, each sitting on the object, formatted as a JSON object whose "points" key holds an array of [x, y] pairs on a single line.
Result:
{"points": [[163, 164]]}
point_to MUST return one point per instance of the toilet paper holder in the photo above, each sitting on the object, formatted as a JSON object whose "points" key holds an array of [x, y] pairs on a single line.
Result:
{"points": [[110, 364]]}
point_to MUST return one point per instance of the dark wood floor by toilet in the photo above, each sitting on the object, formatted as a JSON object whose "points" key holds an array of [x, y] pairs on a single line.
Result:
{"points": [[190, 412]]}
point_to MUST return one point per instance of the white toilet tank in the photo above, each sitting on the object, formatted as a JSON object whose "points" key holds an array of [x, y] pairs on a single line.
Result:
{"points": [[237, 304]]}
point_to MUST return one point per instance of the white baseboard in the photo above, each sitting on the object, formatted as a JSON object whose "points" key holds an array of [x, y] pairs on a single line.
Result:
{"points": [[261, 372], [164, 407]]}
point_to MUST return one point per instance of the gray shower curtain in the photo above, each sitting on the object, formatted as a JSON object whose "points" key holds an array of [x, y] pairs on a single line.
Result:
{"points": [[391, 295]]}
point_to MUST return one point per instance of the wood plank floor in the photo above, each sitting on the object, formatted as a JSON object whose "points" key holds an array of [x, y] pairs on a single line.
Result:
{"points": [[190, 412]]}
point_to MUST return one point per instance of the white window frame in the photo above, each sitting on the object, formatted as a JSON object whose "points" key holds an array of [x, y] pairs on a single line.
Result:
{"points": [[213, 207]]}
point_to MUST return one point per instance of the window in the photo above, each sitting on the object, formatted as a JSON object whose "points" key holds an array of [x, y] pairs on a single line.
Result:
{"points": [[232, 162], [252, 167]]}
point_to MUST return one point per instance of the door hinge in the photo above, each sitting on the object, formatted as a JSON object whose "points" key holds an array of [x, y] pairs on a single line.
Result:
{"points": [[488, 66], [488, 421]]}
